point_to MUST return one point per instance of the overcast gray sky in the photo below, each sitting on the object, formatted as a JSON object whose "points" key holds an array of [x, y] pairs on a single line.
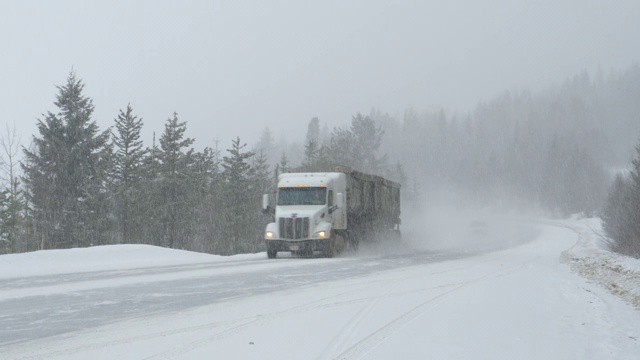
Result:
{"points": [[232, 68]]}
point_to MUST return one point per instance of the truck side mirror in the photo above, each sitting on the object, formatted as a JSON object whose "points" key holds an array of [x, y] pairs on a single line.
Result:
{"points": [[265, 202]]}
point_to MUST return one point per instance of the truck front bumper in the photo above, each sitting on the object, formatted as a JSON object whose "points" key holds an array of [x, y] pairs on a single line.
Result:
{"points": [[296, 245]]}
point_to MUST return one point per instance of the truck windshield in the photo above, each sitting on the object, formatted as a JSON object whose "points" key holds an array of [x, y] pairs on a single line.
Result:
{"points": [[302, 196]]}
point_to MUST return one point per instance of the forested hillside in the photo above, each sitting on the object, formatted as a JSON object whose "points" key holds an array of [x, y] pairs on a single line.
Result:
{"points": [[75, 185]]}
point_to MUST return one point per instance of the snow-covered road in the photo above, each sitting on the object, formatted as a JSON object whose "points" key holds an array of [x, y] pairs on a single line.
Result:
{"points": [[513, 298]]}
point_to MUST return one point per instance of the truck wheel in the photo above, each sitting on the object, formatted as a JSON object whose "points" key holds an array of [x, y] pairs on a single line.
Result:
{"points": [[329, 250], [308, 252], [271, 254]]}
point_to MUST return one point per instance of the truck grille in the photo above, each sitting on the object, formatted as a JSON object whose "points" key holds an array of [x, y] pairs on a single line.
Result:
{"points": [[294, 228]]}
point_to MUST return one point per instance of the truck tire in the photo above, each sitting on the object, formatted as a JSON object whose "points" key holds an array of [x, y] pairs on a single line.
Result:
{"points": [[334, 246], [329, 248], [308, 252]]}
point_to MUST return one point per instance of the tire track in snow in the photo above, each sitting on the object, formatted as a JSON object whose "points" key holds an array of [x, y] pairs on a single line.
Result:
{"points": [[376, 338], [240, 324], [338, 341], [98, 343], [203, 341]]}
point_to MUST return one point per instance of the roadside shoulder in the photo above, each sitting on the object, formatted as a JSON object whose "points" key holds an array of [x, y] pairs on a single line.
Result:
{"points": [[590, 258]]}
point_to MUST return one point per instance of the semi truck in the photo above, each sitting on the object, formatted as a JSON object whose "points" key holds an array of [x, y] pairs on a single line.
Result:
{"points": [[329, 212]]}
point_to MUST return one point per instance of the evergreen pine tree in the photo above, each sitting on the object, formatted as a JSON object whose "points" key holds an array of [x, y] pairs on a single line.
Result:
{"points": [[151, 198], [65, 173], [283, 166], [237, 200], [267, 146], [367, 138], [617, 218], [313, 130], [340, 150], [261, 173], [357, 146], [127, 175], [311, 156], [621, 213], [264, 184], [205, 187], [173, 172]]}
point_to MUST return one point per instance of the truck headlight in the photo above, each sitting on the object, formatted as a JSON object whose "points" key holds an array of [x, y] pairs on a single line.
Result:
{"points": [[269, 235], [322, 234]]}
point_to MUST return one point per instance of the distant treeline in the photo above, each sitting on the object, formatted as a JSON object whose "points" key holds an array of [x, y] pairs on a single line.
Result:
{"points": [[555, 150], [79, 186]]}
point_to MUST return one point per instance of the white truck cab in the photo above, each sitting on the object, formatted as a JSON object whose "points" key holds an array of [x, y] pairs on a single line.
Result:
{"points": [[309, 214]]}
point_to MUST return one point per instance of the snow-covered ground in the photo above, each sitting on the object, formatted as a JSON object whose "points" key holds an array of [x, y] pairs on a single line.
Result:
{"points": [[590, 257], [545, 290]]}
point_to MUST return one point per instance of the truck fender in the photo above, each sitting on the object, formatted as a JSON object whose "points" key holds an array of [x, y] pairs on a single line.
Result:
{"points": [[323, 226], [273, 228]]}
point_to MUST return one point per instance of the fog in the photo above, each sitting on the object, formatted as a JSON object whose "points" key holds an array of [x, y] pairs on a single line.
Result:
{"points": [[479, 110], [232, 68]]}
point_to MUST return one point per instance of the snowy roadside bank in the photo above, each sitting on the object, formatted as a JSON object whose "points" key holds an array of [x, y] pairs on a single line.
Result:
{"points": [[590, 258], [104, 258]]}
